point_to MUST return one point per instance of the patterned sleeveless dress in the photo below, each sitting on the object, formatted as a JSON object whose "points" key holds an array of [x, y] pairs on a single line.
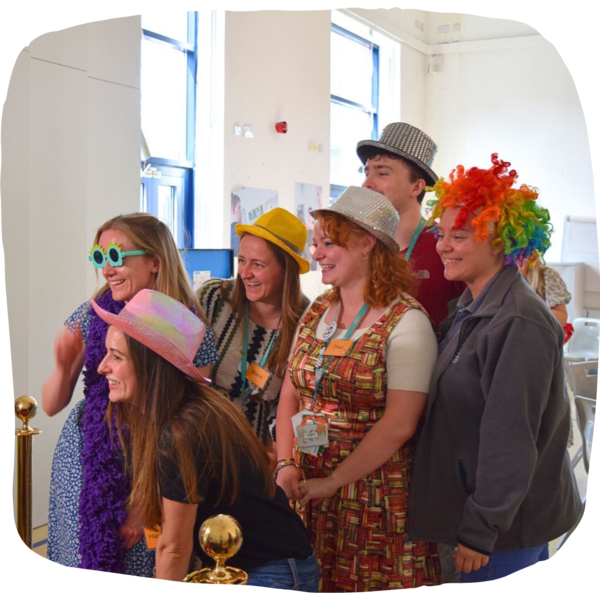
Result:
{"points": [[359, 533]]}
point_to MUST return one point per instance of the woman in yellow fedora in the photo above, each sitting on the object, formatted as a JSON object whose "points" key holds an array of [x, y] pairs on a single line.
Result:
{"points": [[255, 315]]}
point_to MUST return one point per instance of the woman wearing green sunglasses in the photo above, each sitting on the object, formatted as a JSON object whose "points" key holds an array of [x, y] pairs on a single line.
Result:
{"points": [[88, 525]]}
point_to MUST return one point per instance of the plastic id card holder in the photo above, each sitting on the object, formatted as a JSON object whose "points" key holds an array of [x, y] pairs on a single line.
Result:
{"points": [[311, 431]]}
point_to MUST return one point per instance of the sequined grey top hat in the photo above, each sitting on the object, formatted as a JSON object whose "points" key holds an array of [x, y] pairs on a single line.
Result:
{"points": [[405, 141], [370, 210]]}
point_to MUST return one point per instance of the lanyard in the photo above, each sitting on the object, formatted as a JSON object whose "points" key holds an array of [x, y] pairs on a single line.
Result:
{"points": [[320, 368], [246, 389], [415, 237]]}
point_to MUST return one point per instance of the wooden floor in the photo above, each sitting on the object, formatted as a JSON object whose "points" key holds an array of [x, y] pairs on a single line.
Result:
{"points": [[40, 540]]}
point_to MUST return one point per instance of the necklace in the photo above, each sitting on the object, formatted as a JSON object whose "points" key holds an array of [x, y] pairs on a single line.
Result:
{"points": [[331, 328]]}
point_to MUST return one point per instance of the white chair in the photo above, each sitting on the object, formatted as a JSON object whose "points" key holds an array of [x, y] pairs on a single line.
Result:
{"points": [[585, 340], [586, 416], [583, 378]]}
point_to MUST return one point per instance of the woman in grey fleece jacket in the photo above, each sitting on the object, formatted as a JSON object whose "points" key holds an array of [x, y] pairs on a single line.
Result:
{"points": [[492, 475]]}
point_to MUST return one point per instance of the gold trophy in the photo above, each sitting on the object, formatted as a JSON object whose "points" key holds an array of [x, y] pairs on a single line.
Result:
{"points": [[221, 538]]}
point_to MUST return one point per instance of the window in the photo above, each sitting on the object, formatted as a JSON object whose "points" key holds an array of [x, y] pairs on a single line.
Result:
{"points": [[168, 84], [364, 70]]}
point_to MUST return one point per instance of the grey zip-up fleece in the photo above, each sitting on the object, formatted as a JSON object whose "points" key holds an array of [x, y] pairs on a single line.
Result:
{"points": [[491, 470]]}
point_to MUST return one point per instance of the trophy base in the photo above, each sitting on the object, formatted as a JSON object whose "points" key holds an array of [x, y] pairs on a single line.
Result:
{"points": [[230, 576]]}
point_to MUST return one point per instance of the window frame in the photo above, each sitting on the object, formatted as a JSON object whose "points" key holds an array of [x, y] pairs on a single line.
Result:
{"points": [[190, 47], [373, 110]]}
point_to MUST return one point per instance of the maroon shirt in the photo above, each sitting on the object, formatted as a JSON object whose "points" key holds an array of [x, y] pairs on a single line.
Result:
{"points": [[434, 290]]}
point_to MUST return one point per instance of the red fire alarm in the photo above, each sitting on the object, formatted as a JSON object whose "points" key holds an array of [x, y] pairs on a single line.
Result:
{"points": [[281, 127]]}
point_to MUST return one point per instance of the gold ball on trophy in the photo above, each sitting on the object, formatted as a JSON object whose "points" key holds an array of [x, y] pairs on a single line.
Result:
{"points": [[220, 536], [25, 408]]}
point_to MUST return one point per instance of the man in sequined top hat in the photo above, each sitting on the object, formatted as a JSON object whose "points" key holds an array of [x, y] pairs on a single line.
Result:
{"points": [[398, 165]]}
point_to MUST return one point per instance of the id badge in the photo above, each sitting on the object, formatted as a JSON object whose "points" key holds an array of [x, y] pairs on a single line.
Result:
{"points": [[258, 376], [338, 347], [151, 536], [311, 431]]}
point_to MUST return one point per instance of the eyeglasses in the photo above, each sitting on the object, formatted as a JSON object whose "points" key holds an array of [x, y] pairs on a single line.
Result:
{"points": [[113, 254]]}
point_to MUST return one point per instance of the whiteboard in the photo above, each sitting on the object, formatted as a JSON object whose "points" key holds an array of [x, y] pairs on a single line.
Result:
{"points": [[580, 244]]}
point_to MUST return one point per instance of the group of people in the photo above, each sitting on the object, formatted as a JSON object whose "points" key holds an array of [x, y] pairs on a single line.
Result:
{"points": [[408, 427]]}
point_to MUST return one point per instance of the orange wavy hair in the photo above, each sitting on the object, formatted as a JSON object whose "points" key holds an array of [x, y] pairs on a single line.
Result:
{"points": [[391, 275]]}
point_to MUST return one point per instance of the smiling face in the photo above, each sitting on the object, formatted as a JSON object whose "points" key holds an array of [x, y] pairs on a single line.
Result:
{"points": [[466, 259], [117, 367], [392, 178], [262, 274], [341, 267], [137, 272]]}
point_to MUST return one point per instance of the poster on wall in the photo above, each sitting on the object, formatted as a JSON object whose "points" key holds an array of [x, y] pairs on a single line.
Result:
{"points": [[308, 197], [247, 204]]}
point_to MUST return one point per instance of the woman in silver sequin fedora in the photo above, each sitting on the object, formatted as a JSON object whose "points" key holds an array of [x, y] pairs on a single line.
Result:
{"points": [[359, 370]]}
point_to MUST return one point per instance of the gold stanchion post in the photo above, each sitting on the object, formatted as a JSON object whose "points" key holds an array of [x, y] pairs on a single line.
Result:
{"points": [[25, 408], [220, 537]]}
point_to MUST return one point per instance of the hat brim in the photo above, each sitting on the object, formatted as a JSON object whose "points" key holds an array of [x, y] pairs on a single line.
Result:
{"points": [[382, 237], [155, 341], [363, 148], [241, 228]]}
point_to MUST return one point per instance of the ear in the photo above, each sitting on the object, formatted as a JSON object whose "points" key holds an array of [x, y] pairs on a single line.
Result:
{"points": [[417, 187], [369, 242], [498, 249], [155, 264]]}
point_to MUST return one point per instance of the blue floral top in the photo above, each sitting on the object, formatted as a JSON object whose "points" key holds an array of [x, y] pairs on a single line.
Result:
{"points": [[207, 353]]}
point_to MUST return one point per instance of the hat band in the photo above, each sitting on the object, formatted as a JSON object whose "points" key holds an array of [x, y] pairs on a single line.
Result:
{"points": [[282, 240]]}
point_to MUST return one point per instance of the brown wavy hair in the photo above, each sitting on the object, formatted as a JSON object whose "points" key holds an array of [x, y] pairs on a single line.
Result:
{"points": [[293, 304], [391, 275], [171, 418], [146, 232]]}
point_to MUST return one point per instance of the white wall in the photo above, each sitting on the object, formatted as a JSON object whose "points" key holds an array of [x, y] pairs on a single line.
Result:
{"points": [[276, 69], [71, 148], [521, 103], [501, 88]]}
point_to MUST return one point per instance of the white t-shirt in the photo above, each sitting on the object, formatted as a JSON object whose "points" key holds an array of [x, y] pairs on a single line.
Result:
{"points": [[410, 351]]}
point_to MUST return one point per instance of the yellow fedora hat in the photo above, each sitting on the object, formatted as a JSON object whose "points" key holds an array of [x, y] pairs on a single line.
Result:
{"points": [[282, 228]]}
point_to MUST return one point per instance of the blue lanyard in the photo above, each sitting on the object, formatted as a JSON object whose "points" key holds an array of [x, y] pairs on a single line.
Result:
{"points": [[246, 389], [415, 237], [320, 368]]}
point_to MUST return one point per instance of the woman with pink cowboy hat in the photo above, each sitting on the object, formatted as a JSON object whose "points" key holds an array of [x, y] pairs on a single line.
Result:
{"points": [[88, 525], [191, 444]]}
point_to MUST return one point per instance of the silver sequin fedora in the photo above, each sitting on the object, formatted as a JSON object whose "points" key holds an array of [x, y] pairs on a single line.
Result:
{"points": [[370, 210], [407, 142]]}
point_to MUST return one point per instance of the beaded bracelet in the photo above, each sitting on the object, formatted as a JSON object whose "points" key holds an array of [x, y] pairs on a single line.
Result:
{"points": [[282, 466], [285, 460]]}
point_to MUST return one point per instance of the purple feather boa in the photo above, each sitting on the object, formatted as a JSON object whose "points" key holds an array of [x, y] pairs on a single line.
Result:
{"points": [[105, 483]]}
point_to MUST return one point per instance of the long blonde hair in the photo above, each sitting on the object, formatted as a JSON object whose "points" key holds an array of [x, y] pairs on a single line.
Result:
{"points": [[146, 232], [535, 277]]}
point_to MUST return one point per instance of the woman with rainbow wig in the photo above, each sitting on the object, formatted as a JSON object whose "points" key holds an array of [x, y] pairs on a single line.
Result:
{"points": [[492, 477]]}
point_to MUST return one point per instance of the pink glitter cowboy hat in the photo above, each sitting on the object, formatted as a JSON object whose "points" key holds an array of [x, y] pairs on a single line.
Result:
{"points": [[162, 324]]}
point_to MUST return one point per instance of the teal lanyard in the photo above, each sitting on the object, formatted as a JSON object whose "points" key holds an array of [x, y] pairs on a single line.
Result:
{"points": [[414, 238], [246, 389], [320, 368]]}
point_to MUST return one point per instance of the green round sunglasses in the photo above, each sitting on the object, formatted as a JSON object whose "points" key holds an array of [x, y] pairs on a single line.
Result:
{"points": [[113, 254]]}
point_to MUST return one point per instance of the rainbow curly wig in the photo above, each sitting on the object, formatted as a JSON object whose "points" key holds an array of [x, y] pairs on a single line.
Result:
{"points": [[522, 227]]}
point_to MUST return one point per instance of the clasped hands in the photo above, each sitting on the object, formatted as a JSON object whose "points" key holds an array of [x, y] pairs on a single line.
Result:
{"points": [[290, 480]]}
